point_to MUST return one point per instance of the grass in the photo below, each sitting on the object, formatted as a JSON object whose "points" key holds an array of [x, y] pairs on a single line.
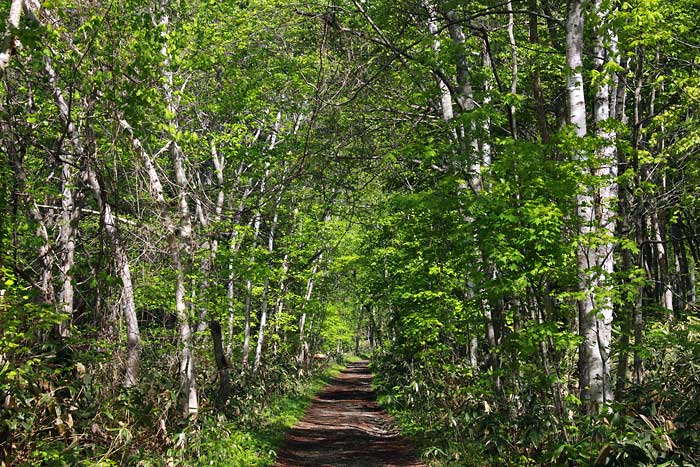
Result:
{"points": [[222, 443]]}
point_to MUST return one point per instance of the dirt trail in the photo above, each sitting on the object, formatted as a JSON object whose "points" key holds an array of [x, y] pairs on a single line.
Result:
{"points": [[344, 427]]}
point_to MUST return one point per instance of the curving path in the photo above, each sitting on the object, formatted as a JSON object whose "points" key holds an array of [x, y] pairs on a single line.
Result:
{"points": [[344, 427]]}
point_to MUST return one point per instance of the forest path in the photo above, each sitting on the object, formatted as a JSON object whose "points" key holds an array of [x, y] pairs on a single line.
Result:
{"points": [[344, 427]]}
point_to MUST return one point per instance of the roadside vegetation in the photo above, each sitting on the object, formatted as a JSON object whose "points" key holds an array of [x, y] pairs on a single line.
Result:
{"points": [[497, 200]]}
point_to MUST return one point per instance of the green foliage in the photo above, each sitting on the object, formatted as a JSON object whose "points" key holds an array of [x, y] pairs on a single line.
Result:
{"points": [[36, 384], [253, 436], [447, 248], [453, 415]]}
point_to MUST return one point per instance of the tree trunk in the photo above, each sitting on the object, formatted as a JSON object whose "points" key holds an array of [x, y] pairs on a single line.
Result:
{"points": [[358, 329], [69, 212], [604, 110], [494, 362], [235, 243], [249, 295], [574, 63], [121, 265], [44, 250], [9, 42], [179, 245], [536, 80], [595, 215], [177, 236], [638, 318], [303, 346], [682, 269], [661, 254], [514, 69], [222, 364], [445, 96]]}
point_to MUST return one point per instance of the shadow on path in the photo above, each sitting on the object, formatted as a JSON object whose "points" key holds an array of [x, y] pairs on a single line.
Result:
{"points": [[344, 427]]}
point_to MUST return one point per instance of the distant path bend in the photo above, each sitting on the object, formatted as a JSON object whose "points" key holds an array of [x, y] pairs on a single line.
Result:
{"points": [[344, 427]]}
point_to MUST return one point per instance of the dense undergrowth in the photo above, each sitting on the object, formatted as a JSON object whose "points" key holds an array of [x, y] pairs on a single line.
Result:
{"points": [[59, 409], [217, 441], [451, 412]]}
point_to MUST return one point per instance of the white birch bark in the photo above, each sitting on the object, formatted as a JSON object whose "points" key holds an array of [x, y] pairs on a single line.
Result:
{"points": [[179, 244], [484, 144], [282, 286], [604, 109], [514, 67], [659, 245], [660, 250], [235, 243], [445, 96], [212, 242], [249, 282], [44, 251], [465, 101], [574, 63], [595, 263], [188, 391], [303, 345], [279, 304], [69, 213], [9, 42], [270, 249], [465, 93], [178, 235], [121, 265], [266, 287]]}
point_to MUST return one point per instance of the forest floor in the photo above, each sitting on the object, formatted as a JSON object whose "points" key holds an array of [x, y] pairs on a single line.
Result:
{"points": [[344, 427]]}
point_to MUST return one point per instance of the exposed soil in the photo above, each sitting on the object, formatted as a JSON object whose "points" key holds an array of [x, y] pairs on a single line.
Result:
{"points": [[344, 427]]}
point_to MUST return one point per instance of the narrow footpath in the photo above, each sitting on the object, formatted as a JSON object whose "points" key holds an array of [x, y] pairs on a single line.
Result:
{"points": [[344, 427]]}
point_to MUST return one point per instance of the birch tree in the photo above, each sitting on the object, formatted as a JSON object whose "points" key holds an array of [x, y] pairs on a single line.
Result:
{"points": [[595, 259]]}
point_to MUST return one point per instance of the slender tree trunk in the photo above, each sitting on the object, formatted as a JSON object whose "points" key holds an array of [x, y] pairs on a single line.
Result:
{"points": [[265, 298], [121, 265], [179, 245], [270, 249], [358, 329], [445, 96], [484, 143], [661, 253], [536, 80], [69, 212], [303, 345], [604, 110], [212, 241], [692, 291], [9, 42], [490, 328], [625, 311], [235, 243], [465, 93], [249, 294], [638, 318], [469, 144], [282, 288], [514, 69], [44, 250], [222, 365], [682, 270], [188, 391], [574, 63], [220, 357]]}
